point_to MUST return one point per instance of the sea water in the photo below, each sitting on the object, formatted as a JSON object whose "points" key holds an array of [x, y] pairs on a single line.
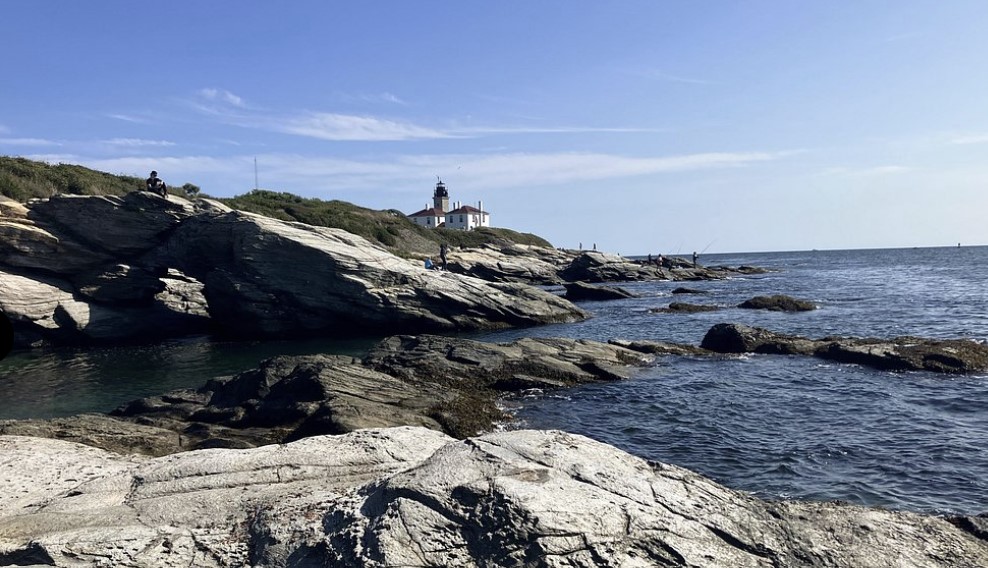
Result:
{"points": [[777, 426]]}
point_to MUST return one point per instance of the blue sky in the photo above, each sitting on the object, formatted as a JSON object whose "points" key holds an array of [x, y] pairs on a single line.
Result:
{"points": [[641, 126]]}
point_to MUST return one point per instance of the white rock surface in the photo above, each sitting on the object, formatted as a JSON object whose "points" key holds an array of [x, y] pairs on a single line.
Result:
{"points": [[413, 497]]}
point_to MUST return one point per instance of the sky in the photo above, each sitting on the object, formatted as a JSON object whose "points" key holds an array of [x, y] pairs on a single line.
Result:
{"points": [[639, 126]]}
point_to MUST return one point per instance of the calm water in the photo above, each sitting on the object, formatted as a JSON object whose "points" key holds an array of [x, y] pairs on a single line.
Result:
{"points": [[774, 425]]}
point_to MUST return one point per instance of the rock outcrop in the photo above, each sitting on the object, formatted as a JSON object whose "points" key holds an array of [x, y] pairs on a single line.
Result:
{"points": [[593, 266], [579, 291], [103, 268], [442, 383], [413, 497], [897, 354], [525, 264]]}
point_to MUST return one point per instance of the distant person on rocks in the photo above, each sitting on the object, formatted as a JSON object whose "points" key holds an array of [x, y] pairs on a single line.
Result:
{"points": [[156, 185], [695, 256], [428, 264], [443, 249]]}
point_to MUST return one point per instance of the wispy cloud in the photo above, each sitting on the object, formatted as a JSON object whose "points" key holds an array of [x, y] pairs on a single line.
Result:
{"points": [[327, 176], [223, 96], [137, 142], [32, 142], [970, 139], [332, 126], [388, 98], [4, 129], [129, 118]]}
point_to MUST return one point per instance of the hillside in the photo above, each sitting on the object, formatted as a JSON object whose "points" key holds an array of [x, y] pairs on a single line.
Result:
{"points": [[22, 179]]}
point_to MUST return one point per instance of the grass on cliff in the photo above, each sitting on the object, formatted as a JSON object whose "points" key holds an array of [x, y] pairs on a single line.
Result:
{"points": [[22, 179]]}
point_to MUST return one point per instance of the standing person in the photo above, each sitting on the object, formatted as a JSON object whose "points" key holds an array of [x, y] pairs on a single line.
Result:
{"points": [[695, 256], [443, 249], [156, 185]]}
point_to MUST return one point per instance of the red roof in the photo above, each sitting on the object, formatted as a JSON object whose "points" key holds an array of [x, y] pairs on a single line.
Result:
{"points": [[431, 212], [467, 209]]}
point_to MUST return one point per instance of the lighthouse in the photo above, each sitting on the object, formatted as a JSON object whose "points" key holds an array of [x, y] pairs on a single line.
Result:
{"points": [[440, 197]]}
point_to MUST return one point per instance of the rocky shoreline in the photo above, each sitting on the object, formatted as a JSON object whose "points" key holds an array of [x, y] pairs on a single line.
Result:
{"points": [[83, 269], [389, 459]]}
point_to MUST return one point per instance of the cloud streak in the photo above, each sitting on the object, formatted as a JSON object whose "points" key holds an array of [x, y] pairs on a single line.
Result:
{"points": [[327, 176], [31, 142], [343, 127]]}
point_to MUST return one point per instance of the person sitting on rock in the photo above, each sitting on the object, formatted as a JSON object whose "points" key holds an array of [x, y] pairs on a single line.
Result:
{"points": [[428, 264], [156, 185]]}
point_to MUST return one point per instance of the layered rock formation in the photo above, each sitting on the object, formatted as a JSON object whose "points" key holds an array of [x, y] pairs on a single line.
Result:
{"points": [[78, 268], [413, 497]]}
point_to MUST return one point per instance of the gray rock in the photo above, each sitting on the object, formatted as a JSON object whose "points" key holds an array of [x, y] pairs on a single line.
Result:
{"points": [[593, 266], [897, 354], [414, 497], [577, 291], [103, 268], [777, 303], [120, 284], [684, 308], [443, 383], [516, 263], [264, 276], [124, 226], [45, 309]]}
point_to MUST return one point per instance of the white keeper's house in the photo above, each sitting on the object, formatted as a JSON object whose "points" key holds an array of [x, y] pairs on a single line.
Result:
{"points": [[462, 217]]}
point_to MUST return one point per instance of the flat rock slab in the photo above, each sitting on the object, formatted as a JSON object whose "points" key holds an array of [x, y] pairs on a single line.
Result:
{"points": [[413, 497]]}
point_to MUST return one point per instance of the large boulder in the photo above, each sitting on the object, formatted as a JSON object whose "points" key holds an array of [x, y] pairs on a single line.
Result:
{"points": [[265, 276], [103, 268], [45, 309], [413, 497]]}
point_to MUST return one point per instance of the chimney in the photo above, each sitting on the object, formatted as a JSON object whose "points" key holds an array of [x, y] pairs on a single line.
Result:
{"points": [[480, 205]]}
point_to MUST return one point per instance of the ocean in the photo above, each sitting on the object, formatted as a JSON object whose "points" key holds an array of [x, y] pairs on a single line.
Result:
{"points": [[776, 426]]}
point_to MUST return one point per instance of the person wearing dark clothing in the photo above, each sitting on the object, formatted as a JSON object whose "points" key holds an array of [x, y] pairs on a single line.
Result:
{"points": [[157, 185], [695, 256], [443, 249]]}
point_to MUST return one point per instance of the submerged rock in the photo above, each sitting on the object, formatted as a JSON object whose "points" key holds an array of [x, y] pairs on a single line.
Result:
{"points": [[684, 308], [777, 303], [415, 497]]}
